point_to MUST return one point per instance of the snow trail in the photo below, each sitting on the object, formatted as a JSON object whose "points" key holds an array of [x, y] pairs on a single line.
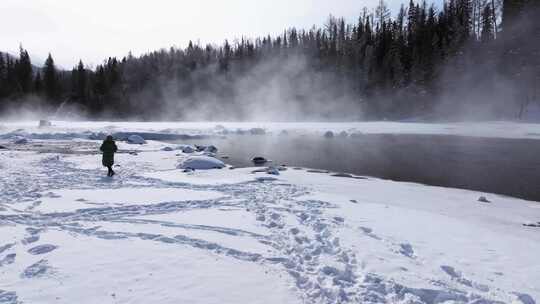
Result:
{"points": [[301, 235]]}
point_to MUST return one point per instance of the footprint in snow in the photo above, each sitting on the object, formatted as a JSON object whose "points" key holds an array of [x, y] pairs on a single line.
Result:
{"points": [[42, 249], [524, 298], [37, 269], [406, 250], [30, 239], [458, 277], [369, 232], [33, 231], [8, 297], [8, 259], [6, 247]]}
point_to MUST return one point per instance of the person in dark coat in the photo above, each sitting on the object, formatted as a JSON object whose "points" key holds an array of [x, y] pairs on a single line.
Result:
{"points": [[108, 148]]}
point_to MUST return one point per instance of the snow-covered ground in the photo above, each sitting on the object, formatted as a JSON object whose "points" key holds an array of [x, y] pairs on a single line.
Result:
{"points": [[156, 234], [69, 129]]}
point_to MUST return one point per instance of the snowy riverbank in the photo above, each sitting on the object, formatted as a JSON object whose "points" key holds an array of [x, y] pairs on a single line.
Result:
{"points": [[164, 130], [156, 234]]}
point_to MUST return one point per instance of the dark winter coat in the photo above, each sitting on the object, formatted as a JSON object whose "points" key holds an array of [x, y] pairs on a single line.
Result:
{"points": [[108, 148]]}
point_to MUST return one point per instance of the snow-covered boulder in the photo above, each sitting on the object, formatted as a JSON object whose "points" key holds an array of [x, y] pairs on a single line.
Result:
{"points": [[211, 149], [201, 163], [187, 149], [257, 131], [168, 149], [329, 134], [136, 140], [483, 199], [343, 134]]}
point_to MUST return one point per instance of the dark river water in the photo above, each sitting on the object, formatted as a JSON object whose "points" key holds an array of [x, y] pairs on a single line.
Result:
{"points": [[504, 166]]}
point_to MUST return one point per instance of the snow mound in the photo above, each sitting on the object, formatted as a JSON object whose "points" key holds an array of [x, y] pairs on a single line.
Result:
{"points": [[187, 149], [167, 149], [201, 163], [329, 134], [136, 140], [211, 149], [257, 131]]}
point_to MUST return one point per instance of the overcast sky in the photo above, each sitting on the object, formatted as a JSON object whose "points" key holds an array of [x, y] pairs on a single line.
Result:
{"points": [[93, 30]]}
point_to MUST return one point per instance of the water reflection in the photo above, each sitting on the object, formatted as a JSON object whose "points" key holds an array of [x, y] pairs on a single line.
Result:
{"points": [[506, 166]]}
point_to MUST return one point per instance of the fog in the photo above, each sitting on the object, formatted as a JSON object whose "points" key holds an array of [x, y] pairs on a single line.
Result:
{"points": [[276, 89]]}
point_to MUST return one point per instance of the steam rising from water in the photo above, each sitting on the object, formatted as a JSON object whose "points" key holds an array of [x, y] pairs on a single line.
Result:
{"points": [[276, 89]]}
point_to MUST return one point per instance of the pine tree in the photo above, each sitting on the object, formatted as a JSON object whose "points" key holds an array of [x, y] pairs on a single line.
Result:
{"points": [[79, 79], [23, 70], [50, 80], [382, 12]]}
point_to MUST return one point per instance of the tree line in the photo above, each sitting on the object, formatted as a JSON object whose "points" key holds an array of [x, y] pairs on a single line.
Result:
{"points": [[413, 64]]}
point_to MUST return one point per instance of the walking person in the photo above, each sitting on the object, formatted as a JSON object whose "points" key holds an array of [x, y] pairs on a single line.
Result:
{"points": [[108, 147]]}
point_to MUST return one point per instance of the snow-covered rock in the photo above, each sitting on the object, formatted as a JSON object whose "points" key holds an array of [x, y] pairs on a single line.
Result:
{"points": [[257, 131], [187, 149], [483, 199], [136, 140], [211, 149], [201, 162], [167, 149], [343, 134], [259, 160], [329, 134]]}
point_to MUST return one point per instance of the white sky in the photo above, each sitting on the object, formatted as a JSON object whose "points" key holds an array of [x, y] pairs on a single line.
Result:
{"points": [[95, 29]]}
